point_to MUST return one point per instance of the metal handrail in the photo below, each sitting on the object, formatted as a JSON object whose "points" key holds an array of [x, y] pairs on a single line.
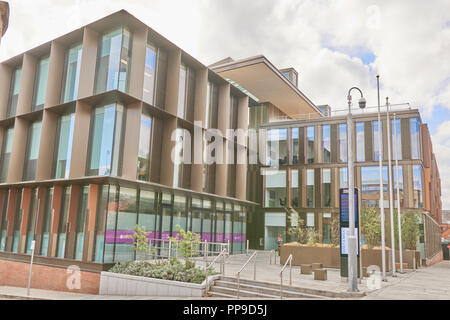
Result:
{"points": [[238, 274], [289, 260], [222, 254]]}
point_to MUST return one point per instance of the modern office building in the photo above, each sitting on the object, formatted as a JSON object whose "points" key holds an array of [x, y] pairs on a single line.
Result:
{"points": [[88, 124], [311, 166], [4, 18]]}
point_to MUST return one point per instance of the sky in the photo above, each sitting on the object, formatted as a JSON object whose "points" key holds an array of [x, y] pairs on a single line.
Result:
{"points": [[333, 44]]}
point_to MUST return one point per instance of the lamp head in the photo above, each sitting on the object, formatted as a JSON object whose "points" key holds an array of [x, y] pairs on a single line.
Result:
{"points": [[362, 103]]}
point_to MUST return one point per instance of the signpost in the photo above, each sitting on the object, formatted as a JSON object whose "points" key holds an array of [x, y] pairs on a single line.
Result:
{"points": [[345, 229]]}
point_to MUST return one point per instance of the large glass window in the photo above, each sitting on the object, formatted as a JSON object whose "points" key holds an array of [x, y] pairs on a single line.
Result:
{"points": [[274, 226], [4, 224], [63, 150], [212, 105], [150, 74], [40, 84], [396, 139], [360, 143], [294, 189], [106, 140], [343, 152], [17, 222], [415, 138], [326, 144], [46, 222], [182, 91], [100, 223], [179, 214], [81, 223], [233, 112], [376, 140], [72, 74], [277, 145], [32, 152], [186, 93], [343, 178], [126, 225], [309, 144], [310, 194], [370, 186], [144, 148], [14, 93], [326, 187], [147, 214], [63, 222], [6, 154], [113, 61], [398, 181], [417, 184], [32, 213], [275, 188], [295, 145], [111, 217]]}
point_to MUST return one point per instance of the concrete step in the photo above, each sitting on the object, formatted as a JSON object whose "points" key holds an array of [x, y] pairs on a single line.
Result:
{"points": [[265, 290], [242, 293], [303, 290]]}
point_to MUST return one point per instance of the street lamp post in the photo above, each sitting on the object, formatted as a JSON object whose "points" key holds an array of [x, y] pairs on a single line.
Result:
{"points": [[399, 218], [352, 245], [391, 196], [381, 205]]}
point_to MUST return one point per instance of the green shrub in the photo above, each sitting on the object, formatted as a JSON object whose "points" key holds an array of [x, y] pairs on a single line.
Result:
{"points": [[173, 270]]}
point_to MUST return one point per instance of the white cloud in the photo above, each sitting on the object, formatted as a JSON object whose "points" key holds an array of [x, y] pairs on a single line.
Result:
{"points": [[321, 39]]}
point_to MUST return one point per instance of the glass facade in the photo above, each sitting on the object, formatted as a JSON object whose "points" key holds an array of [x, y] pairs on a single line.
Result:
{"points": [[18, 214], [81, 222], [275, 188], [417, 186], [40, 84], [277, 147], [32, 213], [71, 74], [326, 144], [6, 153], [186, 93], [113, 61], [326, 188], [295, 145], [415, 138], [360, 143], [144, 148], [310, 192], [14, 93], [32, 152], [46, 222], [370, 186], [376, 140], [105, 153], [343, 151], [295, 191], [396, 139], [63, 223], [343, 178], [150, 74], [63, 149], [309, 144]]}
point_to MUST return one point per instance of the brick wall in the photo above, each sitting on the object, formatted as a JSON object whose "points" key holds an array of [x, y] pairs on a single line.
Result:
{"points": [[15, 274]]}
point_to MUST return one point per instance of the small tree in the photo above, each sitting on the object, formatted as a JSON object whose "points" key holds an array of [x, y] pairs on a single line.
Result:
{"points": [[410, 230], [371, 226], [299, 230], [335, 230], [140, 241], [188, 243]]}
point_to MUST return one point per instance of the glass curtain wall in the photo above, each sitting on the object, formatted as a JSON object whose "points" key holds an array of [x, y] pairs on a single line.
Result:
{"points": [[40, 84], [46, 222], [360, 143], [4, 224], [63, 150], [370, 186], [71, 74], [295, 145], [111, 219], [31, 221], [343, 178], [106, 140], [277, 146], [343, 152], [114, 61], [126, 224], [63, 221], [415, 138], [32, 152], [417, 185], [228, 223], [326, 187], [148, 217], [6, 154], [310, 194], [14, 93], [326, 144], [295, 189], [144, 148], [179, 214], [18, 214], [150, 74], [275, 188], [186, 93], [396, 140], [309, 144], [100, 223], [81, 222]]}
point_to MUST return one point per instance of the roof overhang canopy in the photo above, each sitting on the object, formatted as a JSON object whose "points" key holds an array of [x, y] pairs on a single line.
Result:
{"points": [[261, 78]]}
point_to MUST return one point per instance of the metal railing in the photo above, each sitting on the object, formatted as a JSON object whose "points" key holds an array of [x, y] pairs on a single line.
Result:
{"points": [[289, 260], [238, 274], [272, 253], [222, 254]]}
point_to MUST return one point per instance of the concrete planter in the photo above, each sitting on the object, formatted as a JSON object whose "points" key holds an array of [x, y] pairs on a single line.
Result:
{"points": [[330, 257], [117, 284]]}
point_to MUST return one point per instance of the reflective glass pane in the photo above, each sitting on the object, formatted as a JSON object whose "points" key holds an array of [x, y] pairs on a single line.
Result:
{"points": [[417, 185], [370, 186], [274, 226], [310, 192], [182, 91], [32, 153], [326, 144], [72, 74], [6, 154], [150, 74], [275, 188], [126, 225], [294, 189], [360, 143], [376, 140], [309, 144], [396, 139], [40, 84], [14, 92], [326, 187], [415, 138], [144, 148], [343, 152], [46, 222], [64, 146]]}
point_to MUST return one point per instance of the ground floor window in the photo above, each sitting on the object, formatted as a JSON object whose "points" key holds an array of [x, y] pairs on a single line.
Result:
{"points": [[274, 226]]}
